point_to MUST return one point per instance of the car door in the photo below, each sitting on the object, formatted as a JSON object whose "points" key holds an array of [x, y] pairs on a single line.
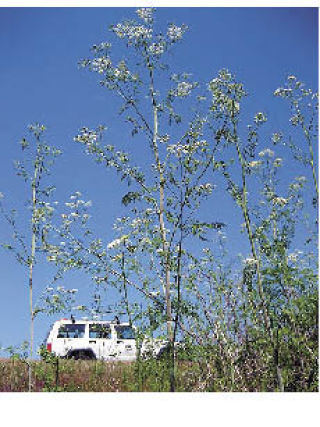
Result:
{"points": [[125, 343], [100, 340], [71, 337]]}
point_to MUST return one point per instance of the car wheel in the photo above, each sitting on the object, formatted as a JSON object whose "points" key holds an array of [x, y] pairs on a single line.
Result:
{"points": [[82, 355]]}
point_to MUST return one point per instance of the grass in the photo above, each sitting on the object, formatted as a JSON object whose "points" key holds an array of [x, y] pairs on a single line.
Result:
{"points": [[61, 375], [97, 376], [68, 375]]}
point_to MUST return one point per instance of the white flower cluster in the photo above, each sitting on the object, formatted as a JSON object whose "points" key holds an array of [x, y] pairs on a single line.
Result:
{"points": [[120, 221], [206, 251], [117, 242], [223, 76], [175, 33], [101, 65], [260, 118], [204, 188], [276, 137], [157, 48], [149, 211], [64, 290], [145, 13], [293, 85], [295, 120], [116, 258], [184, 89], [59, 290], [277, 162], [117, 73], [52, 258], [255, 164], [133, 32], [87, 136], [282, 92], [293, 257], [164, 138], [269, 194], [280, 201], [48, 208], [158, 229], [76, 196], [250, 262], [99, 280], [266, 153], [121, 72], [37, 128], [298, 184], [44, 211], [198, 144], [226, 93], [236, 106], [101, 46], [77, 207], [136, 222], [79, 308], [77, 203], [145, 241], [179, 149], [155, 293]]}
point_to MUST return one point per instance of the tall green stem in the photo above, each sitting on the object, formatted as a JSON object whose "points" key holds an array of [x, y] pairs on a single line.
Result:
{"points": [[244, 207], [125, 288], [314, 174], [31, 265], [161, 206], [34, 186]]}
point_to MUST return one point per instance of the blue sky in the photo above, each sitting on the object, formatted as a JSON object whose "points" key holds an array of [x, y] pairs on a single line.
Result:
{"points": [[40, 81]]}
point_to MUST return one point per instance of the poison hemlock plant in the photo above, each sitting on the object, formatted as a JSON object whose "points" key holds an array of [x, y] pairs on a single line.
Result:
{"points": [[246, 324], [230, 317], [28, 246]]}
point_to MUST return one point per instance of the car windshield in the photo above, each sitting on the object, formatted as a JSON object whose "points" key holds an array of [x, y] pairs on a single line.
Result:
{"points": [[97, 330], [125, 332], [71, 331]]}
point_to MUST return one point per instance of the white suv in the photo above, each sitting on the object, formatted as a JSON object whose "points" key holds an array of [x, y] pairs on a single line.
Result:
{"points": [[106, 340]]}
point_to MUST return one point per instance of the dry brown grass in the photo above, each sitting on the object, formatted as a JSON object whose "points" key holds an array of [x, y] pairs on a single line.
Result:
{"points": [[69, 375], [97, 376]]}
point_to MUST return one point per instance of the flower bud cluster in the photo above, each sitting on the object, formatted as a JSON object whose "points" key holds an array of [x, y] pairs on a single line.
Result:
{"points": [[135, 33], [146, 14], [175, 33]]}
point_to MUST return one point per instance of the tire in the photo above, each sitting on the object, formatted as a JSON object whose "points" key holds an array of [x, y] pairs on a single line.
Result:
{"points": [[82, 355], [163, 353]]}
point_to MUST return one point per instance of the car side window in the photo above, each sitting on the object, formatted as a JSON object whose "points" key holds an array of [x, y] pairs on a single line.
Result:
{"points": [[125, 332], [71, 331], [99, 331]]}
